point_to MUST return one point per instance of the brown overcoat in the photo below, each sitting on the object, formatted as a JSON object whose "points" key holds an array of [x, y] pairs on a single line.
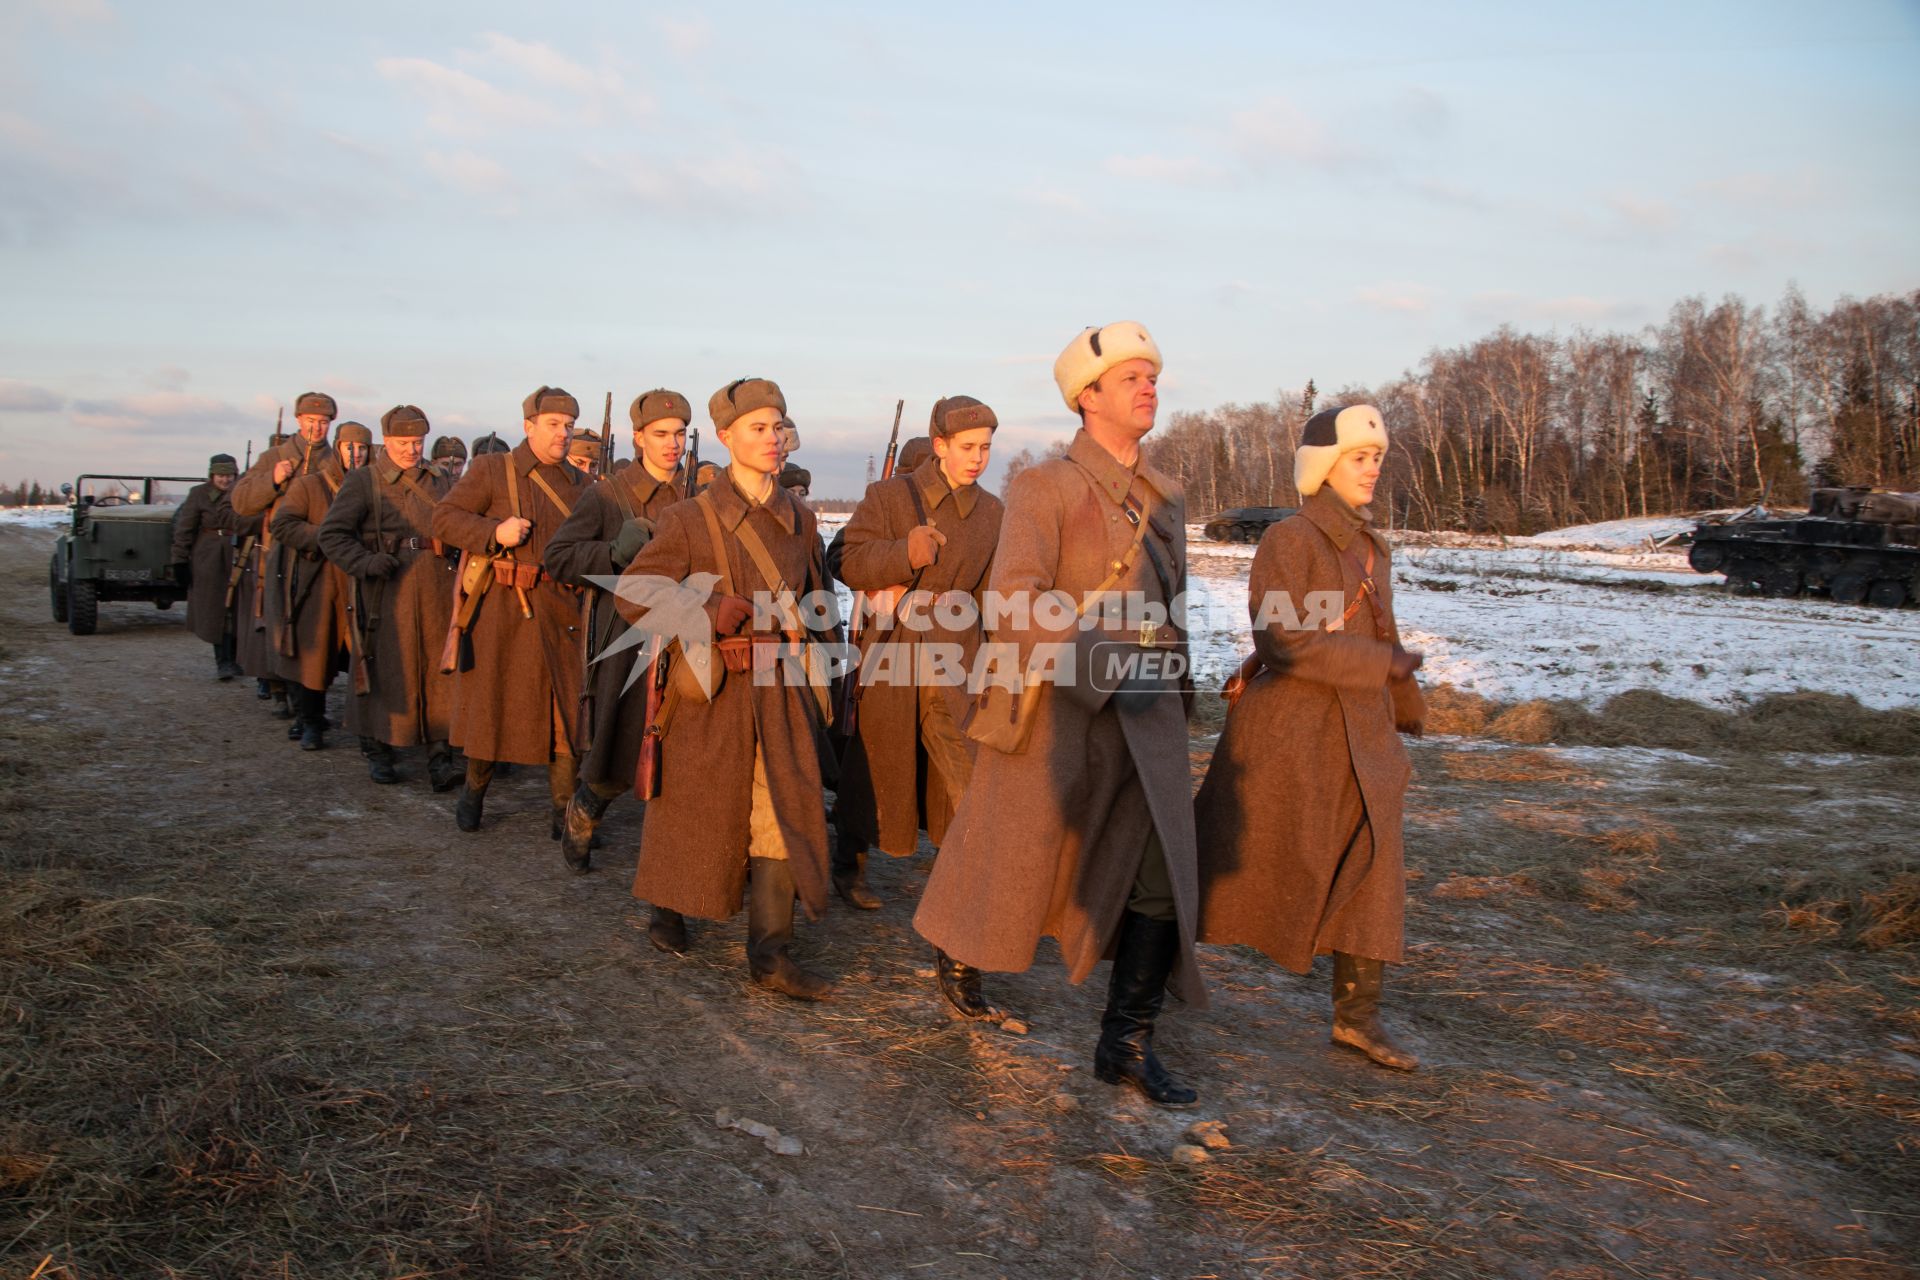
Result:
{"points": [[312, 638], [257, 606], [693, 848], [886, 791], [203, 537], [583, 548], [519, 700], [400, 622], [1048, 841], [1299, 818]]}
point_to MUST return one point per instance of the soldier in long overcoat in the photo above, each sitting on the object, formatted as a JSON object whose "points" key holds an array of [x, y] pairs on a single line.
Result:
{"points": [[256, 494], [1078, 822], [516, 694], [613, 520], [203, 543], [379, 531], [1299, 818], [311, 640], [740, 794], [919, 546]]}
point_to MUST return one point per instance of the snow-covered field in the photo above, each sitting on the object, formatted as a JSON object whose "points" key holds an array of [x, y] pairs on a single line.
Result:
{"points": [[34, 517], [1554, 616]]}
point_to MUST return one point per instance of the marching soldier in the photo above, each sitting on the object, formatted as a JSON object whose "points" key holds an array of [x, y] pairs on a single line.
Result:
{"points": [[919, 544], [449, 457], [256, 494], [311, 639], [1078, 821], [606, 530], [203, 550], [516, 694], [379, 531], [1300, 813], [490, 443], [583, 453], [742, 761]]}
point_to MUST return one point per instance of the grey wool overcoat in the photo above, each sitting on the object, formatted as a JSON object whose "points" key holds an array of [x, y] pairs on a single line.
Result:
{"points": [[203, 537], [1048, 841], [1299, 817]]}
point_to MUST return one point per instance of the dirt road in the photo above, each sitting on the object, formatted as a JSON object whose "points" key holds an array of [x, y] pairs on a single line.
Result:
{"points": [[261, 1018]]}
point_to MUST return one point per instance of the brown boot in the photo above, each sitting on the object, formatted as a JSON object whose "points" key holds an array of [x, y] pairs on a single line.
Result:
{"points": [[582, 819], [770, 933], [1356, 1012], [850, 874], [471, 803], [667, 931]]}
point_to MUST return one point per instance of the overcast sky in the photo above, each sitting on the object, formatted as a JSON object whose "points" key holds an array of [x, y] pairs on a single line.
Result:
{"points": [[207, 209]]}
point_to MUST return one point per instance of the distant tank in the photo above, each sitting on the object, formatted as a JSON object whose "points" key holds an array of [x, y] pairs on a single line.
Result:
{"points": [[1854, 545], [1245, 524]]}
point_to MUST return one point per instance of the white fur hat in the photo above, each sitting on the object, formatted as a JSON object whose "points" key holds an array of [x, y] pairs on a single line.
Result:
{"points": [[1330, 433], [1095, 351]]}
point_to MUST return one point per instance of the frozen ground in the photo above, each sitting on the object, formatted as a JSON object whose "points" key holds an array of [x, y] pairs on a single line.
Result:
{"points": [[34, 517]]}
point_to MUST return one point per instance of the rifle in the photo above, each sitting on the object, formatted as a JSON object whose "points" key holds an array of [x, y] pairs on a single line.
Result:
{"points": [[239, 568], [646, 780], [602, 468], [848, 718]]}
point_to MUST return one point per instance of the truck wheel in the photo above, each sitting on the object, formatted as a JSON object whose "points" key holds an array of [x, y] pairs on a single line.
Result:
{"points": [[57, 589], [83, 607], [1888, 593], [1849, 588]]}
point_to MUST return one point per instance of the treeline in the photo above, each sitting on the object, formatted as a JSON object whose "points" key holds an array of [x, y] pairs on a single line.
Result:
{"points": [[28, 493], [1518, 432]]}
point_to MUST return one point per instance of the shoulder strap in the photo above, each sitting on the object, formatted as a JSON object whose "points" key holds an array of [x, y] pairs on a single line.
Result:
{"points": [[624, 495], [757, 550], [333, 486], [1125, 562], [919, 500], [547, 489], [719, 542], [1369, 592], [413, 486]]}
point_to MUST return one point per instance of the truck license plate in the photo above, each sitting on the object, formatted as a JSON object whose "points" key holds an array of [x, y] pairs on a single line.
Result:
{"points": [[127, 575]]}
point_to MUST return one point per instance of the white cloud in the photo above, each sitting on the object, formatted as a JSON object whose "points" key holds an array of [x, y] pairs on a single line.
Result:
{"points": [[469, 171], [164, 413], [24, 397], [463, 104], [1507, 307], [1276, 129], [1411, 299], [1179, 171], [685, 37]]}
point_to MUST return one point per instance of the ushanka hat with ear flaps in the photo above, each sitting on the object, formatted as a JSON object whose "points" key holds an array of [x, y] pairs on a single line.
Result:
{"points": [[222, 464], [490, 443], [404, 420], [584, 444], [1327, 435], [449, 447], [549, 400], [657, 404], [954, 414], [912, 454], [743, 397], [352, 433], [1095, 351], [316, 402]]}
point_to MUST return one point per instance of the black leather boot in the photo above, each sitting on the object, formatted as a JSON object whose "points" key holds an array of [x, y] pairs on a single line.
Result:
{"points": [[770, 933], [282, 703], [561, 774], [1143, 958], [667, 931], [850, 873], [443, 767], [261, 690], [473, 795], [581, 820], [960, 984], [379, 762], [1356, 1012]]}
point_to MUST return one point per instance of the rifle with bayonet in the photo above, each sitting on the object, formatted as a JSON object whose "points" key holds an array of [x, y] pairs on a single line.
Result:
{"points": [[848, 717]]}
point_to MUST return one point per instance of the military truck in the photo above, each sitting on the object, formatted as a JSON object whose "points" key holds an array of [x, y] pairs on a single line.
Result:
{"points": [[1854, 545], [117, 546], [1244, 524]]}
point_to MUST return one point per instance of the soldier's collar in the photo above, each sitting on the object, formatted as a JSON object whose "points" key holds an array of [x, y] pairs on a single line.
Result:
{"points": [[643, 484], [1334, 517], [732, 506], [934, 488], [1113, 479], [524, 461]]}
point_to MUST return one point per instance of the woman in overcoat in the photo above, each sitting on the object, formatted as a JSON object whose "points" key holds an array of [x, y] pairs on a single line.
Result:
{"points": [[1299, 818]]}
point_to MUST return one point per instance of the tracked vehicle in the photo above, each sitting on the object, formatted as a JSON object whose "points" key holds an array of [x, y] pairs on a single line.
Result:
{"points": [[1854, 545], [1245, 524]]}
